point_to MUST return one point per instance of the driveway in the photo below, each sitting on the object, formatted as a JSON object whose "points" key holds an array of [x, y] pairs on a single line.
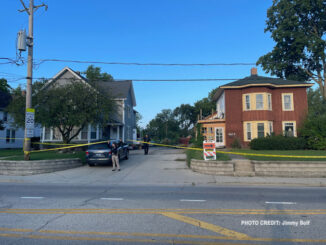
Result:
{"points": [[161, 167]]}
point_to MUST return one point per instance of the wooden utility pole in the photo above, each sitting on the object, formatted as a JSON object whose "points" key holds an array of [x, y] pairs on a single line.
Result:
{"points": [[30, 44]]}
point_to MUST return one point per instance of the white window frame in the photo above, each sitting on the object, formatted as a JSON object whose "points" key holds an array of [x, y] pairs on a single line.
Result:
{"points": [[291, 102], [294, 127], [269, 101], [247, 102], [271, 130], [248, 132], [260, 102], [258, 124]]}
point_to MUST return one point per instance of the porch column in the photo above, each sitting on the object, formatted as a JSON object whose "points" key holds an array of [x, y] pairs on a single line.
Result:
{"points": [[88, 133], [43, 134], [97, 132], [118, 132]]}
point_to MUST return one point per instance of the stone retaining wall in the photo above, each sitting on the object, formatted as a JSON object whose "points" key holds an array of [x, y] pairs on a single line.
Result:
{"points": [[260, 168], [9, 167]]}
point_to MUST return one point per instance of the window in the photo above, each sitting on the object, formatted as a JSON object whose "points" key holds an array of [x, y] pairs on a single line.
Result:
{"points": [[93, 133], [287, 102], [203, 130], [247, 102], [7, 135], [248, 131], [5, 116], [47, 133], [73, 132], [56, 134], [84, 133], [269, 101], [270, 128], [260, 130], [210, 130], [289, 129], [10, 136], [259, 102], [219, 135]]}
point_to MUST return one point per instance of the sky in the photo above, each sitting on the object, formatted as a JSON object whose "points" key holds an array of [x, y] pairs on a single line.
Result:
{"points": [[143, 31]]}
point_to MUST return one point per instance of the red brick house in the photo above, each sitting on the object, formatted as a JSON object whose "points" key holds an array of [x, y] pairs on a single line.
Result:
{"points": [[255, 106]]}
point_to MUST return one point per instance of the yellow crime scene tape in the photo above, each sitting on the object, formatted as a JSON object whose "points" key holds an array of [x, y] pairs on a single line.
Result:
{"points": [[68, 146], [236, 153]]}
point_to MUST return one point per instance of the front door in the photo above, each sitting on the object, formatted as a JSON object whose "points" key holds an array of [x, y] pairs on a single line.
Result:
{"points": [[219, 137]]}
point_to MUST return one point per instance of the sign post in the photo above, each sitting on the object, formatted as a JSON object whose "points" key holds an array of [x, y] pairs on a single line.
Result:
{"points": [[29, 122], [209, 150]]}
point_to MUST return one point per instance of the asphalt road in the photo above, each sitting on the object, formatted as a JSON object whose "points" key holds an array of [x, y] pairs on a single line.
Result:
{"points": [[137, 212]]}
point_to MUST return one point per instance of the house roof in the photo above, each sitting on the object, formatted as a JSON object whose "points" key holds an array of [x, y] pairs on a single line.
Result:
{"points": [[259, 81], [5, 99], [118, 89]]}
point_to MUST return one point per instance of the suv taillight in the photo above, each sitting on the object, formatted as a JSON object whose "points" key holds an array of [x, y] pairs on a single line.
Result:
{"points": [[87, 153]]}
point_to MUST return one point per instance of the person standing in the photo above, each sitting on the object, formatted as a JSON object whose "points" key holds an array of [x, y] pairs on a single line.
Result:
{"points": [[115, 157], [146, 140]]}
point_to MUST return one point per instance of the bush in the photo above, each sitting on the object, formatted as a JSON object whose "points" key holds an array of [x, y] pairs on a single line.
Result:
{"points": [[278, 142], [314, 132], [236, 144]]}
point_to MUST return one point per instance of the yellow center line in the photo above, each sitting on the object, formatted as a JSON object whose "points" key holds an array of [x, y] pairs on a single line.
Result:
{"points": [[144, 235], [207, 226]]}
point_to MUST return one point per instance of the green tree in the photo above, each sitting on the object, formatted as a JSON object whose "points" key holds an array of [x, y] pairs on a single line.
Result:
{"points": [[163, 126], [94, 74], [4, 86], [68, 108], [299, 30], [185, 116], [313, 129]]}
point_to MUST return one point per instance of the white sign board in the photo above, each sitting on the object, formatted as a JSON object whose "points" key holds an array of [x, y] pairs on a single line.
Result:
{"points": [[29, 122]]}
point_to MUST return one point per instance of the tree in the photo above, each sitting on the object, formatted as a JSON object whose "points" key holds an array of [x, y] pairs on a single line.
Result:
{"points": [[298, 28], [185, 115], [94, 74], [313, 129], [4, 86], [68, 108], [163, 126]]}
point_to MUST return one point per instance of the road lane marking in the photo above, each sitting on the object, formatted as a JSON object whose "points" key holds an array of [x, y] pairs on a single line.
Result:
{"points": [[148, 235], [32, 197], [206, 226], [283, 203], [111, 199], [159, 211], [191, 200]]}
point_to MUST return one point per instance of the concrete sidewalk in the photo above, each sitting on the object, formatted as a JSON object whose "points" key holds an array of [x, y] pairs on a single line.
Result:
{"points": [[162, 167]]}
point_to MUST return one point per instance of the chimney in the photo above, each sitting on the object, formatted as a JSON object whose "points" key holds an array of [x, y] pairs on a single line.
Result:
{"points": [[78, 72], [253, 71]]}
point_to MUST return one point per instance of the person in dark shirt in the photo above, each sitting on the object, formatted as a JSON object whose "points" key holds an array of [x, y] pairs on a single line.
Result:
{"points": [[115, 157], [146, 140]]}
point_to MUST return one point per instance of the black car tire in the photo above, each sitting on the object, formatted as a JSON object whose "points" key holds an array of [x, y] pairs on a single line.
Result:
{"points": [[91, 164]]}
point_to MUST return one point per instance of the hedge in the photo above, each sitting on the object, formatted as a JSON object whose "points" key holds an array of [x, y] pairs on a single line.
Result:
{"points": [[278, 142]]}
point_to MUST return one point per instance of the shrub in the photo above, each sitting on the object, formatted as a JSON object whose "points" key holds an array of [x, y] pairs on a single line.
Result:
{"points": [[278, 142], [314, 132], [236, 144]]}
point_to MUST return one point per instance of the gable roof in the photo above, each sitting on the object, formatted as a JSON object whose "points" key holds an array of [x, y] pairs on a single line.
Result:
{"points": [[118, 89], [259, 81], [63, 71]]}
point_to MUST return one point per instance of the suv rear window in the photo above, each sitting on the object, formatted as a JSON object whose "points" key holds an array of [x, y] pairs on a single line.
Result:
{"points": [[98, 146]]}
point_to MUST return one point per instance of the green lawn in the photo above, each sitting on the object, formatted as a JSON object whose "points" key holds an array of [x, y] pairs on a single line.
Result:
{"points": [[11, 152], [194, 154], [279, 152], [18, 155]]}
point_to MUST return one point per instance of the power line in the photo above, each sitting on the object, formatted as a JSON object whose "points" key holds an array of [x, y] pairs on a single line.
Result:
{"points": [[41, 61]]}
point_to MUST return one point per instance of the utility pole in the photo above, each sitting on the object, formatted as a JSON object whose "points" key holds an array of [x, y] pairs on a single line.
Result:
{"points": [[30, 44]]}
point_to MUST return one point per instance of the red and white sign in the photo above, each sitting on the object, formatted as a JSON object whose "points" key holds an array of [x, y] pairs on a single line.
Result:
{"points": [[209, 150]]}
